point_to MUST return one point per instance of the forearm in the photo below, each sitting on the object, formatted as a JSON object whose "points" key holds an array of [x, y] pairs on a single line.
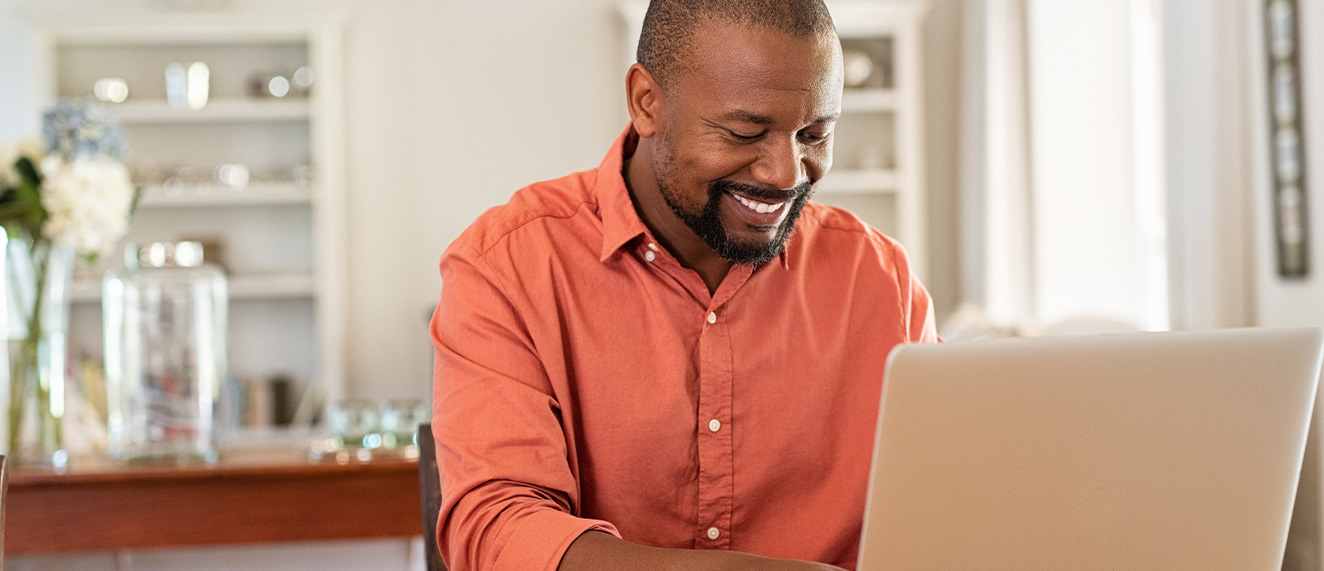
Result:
{"points": [[594, 551]]}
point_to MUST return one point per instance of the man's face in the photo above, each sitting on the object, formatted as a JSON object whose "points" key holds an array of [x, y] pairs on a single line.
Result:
{"points": [[746, 132]]}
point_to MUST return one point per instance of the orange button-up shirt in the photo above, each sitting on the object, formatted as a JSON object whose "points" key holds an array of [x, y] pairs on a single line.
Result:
{"points": [[586, 380]]}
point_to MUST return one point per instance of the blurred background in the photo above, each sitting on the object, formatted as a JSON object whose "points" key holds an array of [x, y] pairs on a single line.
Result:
{"points": [[1053, 167]]}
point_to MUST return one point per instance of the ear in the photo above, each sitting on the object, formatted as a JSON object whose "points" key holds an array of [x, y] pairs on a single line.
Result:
{"points": [[643, 96]]}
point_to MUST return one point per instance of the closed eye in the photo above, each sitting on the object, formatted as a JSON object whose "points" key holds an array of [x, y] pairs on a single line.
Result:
{"points": [[813, 138], [743, 137]]}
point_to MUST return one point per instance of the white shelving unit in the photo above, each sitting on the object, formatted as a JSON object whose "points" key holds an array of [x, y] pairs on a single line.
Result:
{"points": [[283, 242], [216, 111], [295, 285], [879, 143], [201, 196]]}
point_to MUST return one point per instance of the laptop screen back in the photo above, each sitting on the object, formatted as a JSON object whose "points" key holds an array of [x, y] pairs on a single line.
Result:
{"points": [[1145, 451]]}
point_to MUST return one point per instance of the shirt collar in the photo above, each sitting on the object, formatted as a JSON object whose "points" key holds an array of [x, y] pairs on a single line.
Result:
{"points": [[620, 221]]}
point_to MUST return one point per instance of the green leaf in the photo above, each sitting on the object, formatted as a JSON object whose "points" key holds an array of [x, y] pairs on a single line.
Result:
{"points": [[28, 171], [34, 214]]}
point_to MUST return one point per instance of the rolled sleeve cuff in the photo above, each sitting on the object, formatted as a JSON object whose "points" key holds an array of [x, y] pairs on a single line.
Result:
{"points": [[540, 540]]}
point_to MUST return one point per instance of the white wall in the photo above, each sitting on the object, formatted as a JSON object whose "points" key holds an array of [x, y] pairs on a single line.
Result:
{"points": [[452, 107], [942, 51], [13, 75]]}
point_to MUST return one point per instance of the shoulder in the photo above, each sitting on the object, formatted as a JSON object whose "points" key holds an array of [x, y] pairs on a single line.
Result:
{"points": [[824, 228], [838, 250], [533, 211]]}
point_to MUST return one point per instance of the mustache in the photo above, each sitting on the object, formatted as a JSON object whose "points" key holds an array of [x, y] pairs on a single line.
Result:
{"points": [[760, 192]]}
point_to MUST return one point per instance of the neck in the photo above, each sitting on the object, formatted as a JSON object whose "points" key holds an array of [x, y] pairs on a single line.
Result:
{"points": [[669, 229]]}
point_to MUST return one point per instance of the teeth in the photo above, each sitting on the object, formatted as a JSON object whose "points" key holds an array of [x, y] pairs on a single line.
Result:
{"points": [[758, 206]]}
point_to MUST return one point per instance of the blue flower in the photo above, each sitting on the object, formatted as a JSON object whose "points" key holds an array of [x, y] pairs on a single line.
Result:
{"points": [[82, 128]]}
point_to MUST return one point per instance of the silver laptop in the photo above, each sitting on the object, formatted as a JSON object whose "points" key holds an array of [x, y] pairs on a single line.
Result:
{"points": [[1151, 451]]}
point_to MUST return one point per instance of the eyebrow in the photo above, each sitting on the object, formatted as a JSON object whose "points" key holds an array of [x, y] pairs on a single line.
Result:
{"points": [[755, 118]]}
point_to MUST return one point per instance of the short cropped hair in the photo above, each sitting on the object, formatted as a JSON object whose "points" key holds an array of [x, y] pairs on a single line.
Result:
{"points": [[670, 26]]}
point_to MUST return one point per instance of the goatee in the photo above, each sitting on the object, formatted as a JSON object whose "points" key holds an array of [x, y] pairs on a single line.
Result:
{"points": [[707, 222]]}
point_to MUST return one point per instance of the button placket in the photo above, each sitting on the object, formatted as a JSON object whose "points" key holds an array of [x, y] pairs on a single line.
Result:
{"points": [[715, 447]]}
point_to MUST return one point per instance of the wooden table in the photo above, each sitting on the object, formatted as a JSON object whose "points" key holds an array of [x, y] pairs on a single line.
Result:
{"points": [[249, 496]]}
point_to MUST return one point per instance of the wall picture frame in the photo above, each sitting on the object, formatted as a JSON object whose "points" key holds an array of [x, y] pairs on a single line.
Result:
{"points": [[1287, 137]]}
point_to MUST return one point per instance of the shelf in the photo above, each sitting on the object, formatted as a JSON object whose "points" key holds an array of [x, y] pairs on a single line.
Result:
{"points": [[262, 194], [216, 111], [284, 241], [272, 286], [241, 287], [870, 100], [859, 182]]}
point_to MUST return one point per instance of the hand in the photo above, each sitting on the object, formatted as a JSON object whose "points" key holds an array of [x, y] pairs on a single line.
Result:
{"points": [[756, 563], [595, 551]]}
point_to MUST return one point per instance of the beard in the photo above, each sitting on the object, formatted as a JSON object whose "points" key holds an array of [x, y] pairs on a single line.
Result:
{"points": [[705, 220]]}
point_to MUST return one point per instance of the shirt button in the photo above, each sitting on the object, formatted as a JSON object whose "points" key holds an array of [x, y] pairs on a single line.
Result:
{"points": [[652, 247], [712, 317], [650, 256], [714, 533], [714, 425]]}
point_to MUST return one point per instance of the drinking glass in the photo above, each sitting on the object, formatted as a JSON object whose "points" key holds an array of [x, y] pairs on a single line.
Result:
{"points": [[354, 423], [400, 420]]}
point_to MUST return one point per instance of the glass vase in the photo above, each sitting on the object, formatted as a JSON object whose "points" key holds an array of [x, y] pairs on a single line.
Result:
{"points": [[37, 279], [165, 333]]}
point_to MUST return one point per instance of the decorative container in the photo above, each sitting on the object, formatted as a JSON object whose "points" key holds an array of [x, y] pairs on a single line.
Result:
{"points": [[37, 280], [165, 338]]}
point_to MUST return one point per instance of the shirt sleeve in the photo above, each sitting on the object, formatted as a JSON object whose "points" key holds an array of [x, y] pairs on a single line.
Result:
{"points": [[510, 499], [920, 323], [923, 326]]}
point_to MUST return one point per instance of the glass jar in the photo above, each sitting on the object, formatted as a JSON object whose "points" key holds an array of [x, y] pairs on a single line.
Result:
{"points": [[165, 341]]}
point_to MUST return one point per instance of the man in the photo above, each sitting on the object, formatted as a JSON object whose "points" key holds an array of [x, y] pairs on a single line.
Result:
{"points": [[674, 361]]}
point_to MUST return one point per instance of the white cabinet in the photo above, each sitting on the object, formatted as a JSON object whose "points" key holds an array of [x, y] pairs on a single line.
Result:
{"points": [[878, 162], [281, 236]]}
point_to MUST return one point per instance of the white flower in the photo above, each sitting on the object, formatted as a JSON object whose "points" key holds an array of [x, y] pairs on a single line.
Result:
{"points": [[10, 153], [87, 202]]}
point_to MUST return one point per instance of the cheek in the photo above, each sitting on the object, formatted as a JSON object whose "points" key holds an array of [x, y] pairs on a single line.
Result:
{"points": [[714, 161], [819, 161]]}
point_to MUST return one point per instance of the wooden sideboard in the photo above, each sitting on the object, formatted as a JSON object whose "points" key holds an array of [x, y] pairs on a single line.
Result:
{"points": [[250, 496]]}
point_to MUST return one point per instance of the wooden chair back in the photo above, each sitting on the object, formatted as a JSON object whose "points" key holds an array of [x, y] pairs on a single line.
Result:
{"points": [[4, 492], [429, 484]]}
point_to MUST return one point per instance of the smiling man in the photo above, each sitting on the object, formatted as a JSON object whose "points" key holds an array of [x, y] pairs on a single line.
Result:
{"points": [[674, 361]]}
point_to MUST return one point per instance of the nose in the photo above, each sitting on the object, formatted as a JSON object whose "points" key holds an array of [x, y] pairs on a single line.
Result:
{"points": [[781, 163]]}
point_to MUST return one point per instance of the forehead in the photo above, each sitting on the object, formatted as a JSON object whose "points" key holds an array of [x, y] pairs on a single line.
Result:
{"points": [[738, 68]]}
